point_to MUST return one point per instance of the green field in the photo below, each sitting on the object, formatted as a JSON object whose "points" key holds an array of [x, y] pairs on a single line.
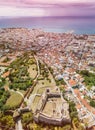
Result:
{"points": [[14, 100], [41, 90], [35, 102], [22, 91], [32, 71]]}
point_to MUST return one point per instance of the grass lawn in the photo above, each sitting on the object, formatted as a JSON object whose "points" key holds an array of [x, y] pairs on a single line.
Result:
{"points": [[32, 71], [45, 83], [41, 90], [35, 102], [35, 89], [14, 99], [52, 79], [42, 85], [22, 91]]}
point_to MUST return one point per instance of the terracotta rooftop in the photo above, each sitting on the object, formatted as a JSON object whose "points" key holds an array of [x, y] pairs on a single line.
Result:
{"points": [[6, 74], [72, 82], [78, 106], [84, 101]]}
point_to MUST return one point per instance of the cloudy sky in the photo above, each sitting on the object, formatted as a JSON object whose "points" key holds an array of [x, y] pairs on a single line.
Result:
{"points": [[39, 8]]}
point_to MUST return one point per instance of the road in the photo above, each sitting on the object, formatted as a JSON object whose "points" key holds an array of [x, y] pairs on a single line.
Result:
{"points": [[18, 125], [37, 67], [18, 122], [83, 107], [30, 99]]}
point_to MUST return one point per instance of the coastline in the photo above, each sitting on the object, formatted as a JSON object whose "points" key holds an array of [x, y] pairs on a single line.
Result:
{"points": [[80, 25]]}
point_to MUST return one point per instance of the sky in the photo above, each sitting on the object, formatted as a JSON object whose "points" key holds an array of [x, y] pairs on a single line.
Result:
{"points": [[41, 8]]}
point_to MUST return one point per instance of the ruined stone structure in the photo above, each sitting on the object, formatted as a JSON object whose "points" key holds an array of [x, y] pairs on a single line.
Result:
{"points": [[52, 109]]}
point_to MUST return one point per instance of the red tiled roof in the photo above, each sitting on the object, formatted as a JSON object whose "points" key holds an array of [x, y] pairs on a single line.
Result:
{"points": [[72, 82], [6, 74], [78, 106], [84, 101]]}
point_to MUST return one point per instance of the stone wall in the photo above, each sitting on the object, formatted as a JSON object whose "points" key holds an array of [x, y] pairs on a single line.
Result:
{"points": [[53, 95], [51, 121], [40, 117], [47, 95]]}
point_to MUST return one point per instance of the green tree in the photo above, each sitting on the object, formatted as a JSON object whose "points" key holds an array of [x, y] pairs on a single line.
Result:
{"points": [[92, 103]]}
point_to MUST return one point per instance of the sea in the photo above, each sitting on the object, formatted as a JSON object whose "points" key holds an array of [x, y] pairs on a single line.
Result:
{"points": [[77, 25]]}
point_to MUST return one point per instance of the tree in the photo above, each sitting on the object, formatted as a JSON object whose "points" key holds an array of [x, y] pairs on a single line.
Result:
{"points": [[73, 110], [7, 121], [67, 127], [92, 103]]}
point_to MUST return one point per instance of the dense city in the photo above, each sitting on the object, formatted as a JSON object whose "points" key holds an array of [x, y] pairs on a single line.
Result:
{"points": [[46, 78]]}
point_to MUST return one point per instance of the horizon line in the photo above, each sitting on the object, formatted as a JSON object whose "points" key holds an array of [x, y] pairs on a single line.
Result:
{"points": [[73, 16]]}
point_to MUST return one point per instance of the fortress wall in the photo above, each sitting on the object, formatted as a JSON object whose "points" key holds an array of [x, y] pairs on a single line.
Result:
{"points": [[50, 95], [48, 120], [44, 102], [36, 119], [53, 95], [51, 121]]}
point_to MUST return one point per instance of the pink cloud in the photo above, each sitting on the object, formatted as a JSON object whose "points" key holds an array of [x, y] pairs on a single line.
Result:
{"points": [[47, 7], [46, 1]]}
